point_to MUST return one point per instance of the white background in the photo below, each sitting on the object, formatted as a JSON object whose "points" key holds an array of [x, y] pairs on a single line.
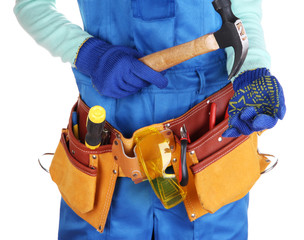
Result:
{"points": [[37, 92]]}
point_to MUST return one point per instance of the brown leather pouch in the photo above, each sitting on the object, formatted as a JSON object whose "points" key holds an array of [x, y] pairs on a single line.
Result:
{"points": [[226, 168], [222, 170], [76, 181], [85, 178]]}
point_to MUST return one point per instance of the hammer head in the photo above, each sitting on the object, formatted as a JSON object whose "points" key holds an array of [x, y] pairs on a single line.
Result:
{"points": [[231, 34]]}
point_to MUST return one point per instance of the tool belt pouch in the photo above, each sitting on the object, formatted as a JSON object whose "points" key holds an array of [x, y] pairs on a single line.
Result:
{"points": [[76, 182], [227, 174], [221, 170], [85, 178]]}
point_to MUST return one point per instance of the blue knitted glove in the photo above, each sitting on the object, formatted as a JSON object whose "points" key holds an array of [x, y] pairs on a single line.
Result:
{"points": [[257, 104], [115, 70]]}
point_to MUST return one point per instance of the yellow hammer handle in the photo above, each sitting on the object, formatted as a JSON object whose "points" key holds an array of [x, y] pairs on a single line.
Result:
{"points": [[162, 60]]}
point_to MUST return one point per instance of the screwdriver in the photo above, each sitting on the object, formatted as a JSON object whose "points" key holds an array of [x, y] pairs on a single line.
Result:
{"points": [[75, 125], [95, 124]]}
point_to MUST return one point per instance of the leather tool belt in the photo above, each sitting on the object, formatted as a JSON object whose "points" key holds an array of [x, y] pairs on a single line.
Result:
{"points": [[221, 170]]}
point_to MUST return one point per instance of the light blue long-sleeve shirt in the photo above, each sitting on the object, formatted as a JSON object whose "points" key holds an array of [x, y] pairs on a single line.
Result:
{"points": [[50, 28], [58, 35]]}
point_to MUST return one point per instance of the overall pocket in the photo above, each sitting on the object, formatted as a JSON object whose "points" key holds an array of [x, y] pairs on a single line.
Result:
{"points": [[153, 25], [150, 10], [76, 181]]}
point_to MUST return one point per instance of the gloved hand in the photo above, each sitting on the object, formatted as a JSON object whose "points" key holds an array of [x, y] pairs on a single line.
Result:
{"points": [[257, 104], [115, 70]]}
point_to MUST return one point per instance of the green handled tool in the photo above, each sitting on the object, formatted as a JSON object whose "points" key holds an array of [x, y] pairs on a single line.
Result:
{"points": [[95, 125]]}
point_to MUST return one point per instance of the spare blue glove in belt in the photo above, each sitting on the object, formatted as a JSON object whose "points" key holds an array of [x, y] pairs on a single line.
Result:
{"points": [[115, 70], [257, 104]]}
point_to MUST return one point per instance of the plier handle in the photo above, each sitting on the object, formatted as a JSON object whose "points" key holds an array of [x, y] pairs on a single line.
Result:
{"points": [[183, 169]]}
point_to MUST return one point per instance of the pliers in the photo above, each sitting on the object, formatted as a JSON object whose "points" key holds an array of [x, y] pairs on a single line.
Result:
{"points": [[183, 169]]}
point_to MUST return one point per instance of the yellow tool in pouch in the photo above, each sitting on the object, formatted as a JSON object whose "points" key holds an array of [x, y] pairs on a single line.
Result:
{"points": [[95, 126], [153, 152]]}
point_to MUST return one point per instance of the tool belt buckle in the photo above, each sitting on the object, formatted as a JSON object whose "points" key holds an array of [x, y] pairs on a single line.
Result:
{"points": [[124, 155]]}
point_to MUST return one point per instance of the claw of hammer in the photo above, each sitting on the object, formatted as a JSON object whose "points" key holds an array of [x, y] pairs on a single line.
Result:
{"points": [[232, 33]]}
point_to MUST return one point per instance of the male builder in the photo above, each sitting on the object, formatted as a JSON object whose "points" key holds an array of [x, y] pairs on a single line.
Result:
{"points": [[104, 57]]}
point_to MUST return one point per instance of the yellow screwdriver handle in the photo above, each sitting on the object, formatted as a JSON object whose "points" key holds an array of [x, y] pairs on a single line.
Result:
{"points": [[95, 124]]}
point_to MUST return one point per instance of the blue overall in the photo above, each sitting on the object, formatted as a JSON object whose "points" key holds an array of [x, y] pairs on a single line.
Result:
{"points": [[150, 26]]}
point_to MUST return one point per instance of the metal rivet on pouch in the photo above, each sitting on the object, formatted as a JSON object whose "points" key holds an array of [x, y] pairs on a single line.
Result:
{"points": [[94, 156], [114, 171], [193, 215], [220, 139], [115, 158], [174, 159], [73, 152], [192, 152], [167, 125], [208, 101]]}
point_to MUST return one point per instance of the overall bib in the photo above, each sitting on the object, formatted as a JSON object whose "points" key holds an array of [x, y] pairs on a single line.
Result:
{"points": [[150, 26]]}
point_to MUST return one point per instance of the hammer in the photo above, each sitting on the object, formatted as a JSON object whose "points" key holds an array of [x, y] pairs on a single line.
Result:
{"points": [[231, 34]]}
